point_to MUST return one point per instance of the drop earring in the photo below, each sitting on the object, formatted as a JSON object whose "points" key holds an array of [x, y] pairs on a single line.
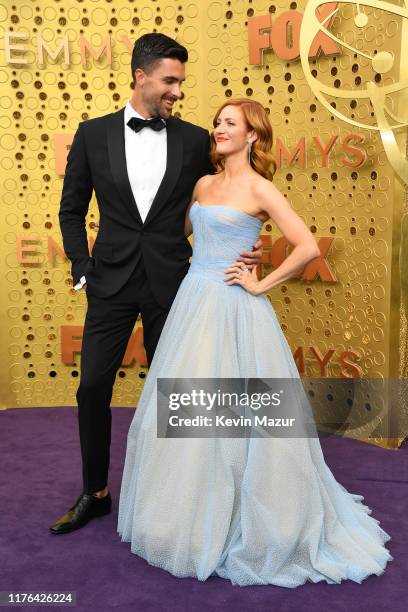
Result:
{"points": [[249, 151]]}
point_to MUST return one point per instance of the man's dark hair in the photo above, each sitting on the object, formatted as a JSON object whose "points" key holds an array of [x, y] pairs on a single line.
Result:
{"points": [[153, 47]]}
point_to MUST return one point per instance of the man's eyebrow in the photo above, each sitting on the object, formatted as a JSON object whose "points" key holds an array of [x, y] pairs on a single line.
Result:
{"points": [[173, 78]]}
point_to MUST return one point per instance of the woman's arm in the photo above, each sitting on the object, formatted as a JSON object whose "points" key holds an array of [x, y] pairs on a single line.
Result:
{"points": [[188, 228], [293, 229]]}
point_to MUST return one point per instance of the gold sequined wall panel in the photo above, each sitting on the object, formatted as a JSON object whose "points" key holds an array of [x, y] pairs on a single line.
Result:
{"points": [[338, 322]]}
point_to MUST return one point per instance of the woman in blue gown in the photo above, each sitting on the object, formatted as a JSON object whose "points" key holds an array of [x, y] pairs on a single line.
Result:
{"points": [[263, 510]]}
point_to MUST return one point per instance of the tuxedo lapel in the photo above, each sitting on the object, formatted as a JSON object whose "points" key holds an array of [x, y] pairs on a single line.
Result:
{"points": [[117, 161], [173, 167]]}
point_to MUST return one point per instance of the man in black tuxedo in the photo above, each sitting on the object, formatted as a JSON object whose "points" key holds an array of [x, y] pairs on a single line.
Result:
{"points": [[142, 164]]}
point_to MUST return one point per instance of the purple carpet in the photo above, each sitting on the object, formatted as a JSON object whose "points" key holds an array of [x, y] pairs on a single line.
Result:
{"points": [[41, 479]]}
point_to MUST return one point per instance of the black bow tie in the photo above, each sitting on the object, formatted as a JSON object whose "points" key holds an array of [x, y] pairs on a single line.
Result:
{"points": [[138, 124]]}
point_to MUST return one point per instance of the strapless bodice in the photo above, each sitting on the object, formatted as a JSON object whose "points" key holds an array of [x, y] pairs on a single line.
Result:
{"points": [[220, 234]]}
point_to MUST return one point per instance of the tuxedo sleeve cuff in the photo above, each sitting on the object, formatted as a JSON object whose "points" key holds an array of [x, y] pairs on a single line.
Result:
{"points": [[81, 283]]}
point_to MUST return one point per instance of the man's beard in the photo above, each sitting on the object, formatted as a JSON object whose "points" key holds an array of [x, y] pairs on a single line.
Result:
{"points": [[158, 111], [169, 110]]}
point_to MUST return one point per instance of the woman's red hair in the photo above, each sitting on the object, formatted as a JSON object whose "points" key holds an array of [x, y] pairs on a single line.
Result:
{"points": [[256, 119]]}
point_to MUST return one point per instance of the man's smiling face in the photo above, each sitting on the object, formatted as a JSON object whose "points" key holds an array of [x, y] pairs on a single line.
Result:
{"points": [[160, 87]]}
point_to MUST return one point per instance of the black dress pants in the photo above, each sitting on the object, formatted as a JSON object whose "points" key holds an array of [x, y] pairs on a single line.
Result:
{"points": [[108, 325]]}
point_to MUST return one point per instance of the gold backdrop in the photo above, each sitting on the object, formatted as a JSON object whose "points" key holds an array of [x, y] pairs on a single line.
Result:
{"points": [[341, 319]]}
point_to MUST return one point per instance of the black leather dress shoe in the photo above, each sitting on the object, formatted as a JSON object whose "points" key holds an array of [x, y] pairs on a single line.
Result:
{"points": [[85, 509]]}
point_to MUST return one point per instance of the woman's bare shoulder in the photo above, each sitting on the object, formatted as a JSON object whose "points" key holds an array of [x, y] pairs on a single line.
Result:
{"points": [[263, 187], [205, 180], [203, 184], [268, 196]]}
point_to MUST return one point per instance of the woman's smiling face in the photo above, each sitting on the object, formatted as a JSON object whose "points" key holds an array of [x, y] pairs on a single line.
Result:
{"points": [[231, 133]]}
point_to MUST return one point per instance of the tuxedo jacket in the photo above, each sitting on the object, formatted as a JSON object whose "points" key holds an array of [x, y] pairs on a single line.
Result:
{"points": [[97, 162]]}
